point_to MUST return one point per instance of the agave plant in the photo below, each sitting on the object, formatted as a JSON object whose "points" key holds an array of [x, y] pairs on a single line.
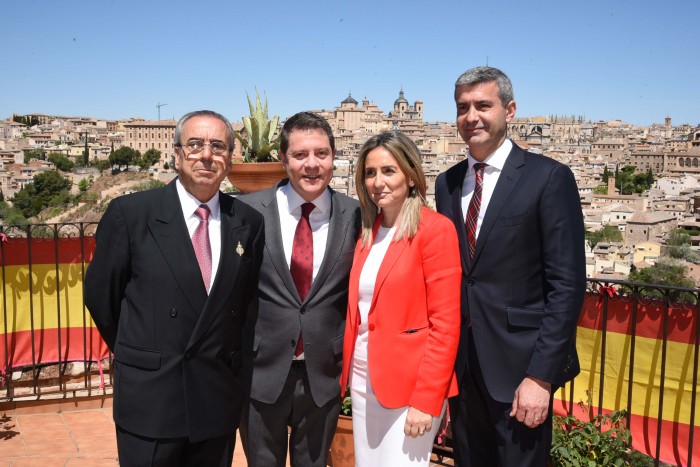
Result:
{"points": [[261, 140]]}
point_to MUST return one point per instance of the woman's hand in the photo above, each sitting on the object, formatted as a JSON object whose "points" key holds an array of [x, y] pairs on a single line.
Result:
{"points": [[417, 423]]}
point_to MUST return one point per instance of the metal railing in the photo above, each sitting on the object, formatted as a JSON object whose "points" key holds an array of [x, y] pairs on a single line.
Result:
{"points": [[19, 270], [24, 250]]}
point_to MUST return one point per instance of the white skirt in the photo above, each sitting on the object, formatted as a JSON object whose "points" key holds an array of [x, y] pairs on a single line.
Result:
{"points": [[378, 431]]}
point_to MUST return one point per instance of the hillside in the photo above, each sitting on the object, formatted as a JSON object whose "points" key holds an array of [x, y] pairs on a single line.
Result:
{"points": [[104, 188]]}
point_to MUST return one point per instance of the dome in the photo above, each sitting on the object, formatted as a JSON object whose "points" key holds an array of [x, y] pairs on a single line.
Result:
{"points": [[400, 99], [349, 100]]}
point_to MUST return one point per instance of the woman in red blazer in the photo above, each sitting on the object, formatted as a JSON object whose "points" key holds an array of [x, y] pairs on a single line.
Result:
{"points": [[403, 316]]}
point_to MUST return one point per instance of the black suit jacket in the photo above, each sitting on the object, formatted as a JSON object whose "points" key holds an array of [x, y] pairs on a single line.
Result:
{"points": [[523, 290], [176, 350], [278, 315]]}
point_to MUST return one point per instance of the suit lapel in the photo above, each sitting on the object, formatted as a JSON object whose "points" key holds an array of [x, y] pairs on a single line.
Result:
{"points": [[233, 232], [459, 217], [392, 254], [273, 242], [170, 234], [506, 182], [338, 230]]}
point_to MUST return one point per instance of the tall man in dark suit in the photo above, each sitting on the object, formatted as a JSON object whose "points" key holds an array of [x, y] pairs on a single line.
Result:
{"points": [[521, 229], [296, 328], [172, 276]]}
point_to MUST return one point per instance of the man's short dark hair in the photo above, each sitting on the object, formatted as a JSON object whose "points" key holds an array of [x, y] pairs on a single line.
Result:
{"points": [[305, 121], [486, 74]]}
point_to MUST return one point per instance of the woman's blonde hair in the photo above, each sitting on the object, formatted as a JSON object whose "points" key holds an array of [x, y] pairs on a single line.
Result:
{"points": [[408, 159]]}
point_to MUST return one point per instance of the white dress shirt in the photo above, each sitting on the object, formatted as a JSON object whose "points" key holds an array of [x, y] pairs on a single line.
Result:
{"points": [[189, 205], [495, 162], [289, 208]]}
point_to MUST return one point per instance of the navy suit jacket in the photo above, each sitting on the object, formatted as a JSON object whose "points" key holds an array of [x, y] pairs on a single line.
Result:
{"points": [[177, 350], [524, 288]]}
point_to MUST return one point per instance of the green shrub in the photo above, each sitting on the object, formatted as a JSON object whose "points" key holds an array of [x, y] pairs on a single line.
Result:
{"points": [[603, 440]]}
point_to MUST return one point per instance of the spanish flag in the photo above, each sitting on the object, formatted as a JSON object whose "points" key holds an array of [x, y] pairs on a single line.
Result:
{"points": [[640, 355], [43, 319]]}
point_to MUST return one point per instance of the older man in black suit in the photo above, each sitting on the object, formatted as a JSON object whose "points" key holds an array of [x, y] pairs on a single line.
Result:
{"points": [[520, 227], [173, 274]]}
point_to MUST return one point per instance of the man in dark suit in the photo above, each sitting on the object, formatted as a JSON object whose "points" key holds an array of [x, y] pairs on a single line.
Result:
{"points": [[521, 230], [172, 276], [295, 330]]}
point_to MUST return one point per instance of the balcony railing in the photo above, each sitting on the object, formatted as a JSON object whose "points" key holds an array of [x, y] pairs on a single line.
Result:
{"points": [[638, 343]]}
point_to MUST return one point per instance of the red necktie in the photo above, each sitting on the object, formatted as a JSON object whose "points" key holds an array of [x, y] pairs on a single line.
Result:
{"points": [[200, 242], [474, 206], [302, 263]]}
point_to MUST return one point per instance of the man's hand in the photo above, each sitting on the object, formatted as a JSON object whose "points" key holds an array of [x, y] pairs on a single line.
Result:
{"points": [[417, 423], [531, 402]]}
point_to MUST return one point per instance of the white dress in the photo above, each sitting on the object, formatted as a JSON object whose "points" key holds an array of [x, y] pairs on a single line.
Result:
{"points": [[378, 431]]}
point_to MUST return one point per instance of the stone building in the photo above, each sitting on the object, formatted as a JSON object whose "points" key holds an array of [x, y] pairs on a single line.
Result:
{"points": [[649, 226], [143, 135]]}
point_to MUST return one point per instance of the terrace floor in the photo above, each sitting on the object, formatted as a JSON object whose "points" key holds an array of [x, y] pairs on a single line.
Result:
{"points": [[66, 432]]}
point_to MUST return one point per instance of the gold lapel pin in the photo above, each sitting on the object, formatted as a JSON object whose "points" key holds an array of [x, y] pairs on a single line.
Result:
{"points": [[239, 249]]}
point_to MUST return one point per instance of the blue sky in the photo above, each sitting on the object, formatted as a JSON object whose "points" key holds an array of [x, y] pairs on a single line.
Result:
{"points": [[634, 60]]}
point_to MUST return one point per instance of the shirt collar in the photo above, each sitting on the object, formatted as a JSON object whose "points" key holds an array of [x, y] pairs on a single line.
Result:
{"points": [[190, 204], [498, 159], [294, 201]]}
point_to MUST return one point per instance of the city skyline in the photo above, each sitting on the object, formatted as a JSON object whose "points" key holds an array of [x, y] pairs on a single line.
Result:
{"points": [[118, 60]]}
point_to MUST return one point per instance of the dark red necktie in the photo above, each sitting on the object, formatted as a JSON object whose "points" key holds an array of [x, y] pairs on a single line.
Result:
{"points": [[474, 206], [302, 263], [200, 242]]}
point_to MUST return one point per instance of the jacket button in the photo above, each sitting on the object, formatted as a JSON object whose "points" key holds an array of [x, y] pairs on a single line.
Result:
{"points": [[371, 327], [173, 312], [294, 343], [303, 310], [188, 355], [470, 282]]}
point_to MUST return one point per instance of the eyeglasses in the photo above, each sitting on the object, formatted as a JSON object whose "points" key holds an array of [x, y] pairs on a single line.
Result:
{"points": [[195, 146]]}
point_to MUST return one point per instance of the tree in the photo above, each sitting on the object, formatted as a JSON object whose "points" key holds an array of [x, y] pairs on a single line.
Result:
{"points": [[47, 189], [102, 165], [11, 215], [86, 153], [650, 178], [38, 154], [666, 271], [608, 233], [61, 162], [617, 177], [124, 156], [149, 158], [606, 174], [83, 185], [600, 190], [678, 246]]}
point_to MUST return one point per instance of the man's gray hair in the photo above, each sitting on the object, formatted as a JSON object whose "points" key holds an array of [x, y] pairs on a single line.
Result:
{"points": [[230, 140], [486, 74]]}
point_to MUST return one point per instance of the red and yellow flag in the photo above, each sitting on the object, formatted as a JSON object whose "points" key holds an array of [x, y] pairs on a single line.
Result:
{"points": [[42, 317], [648, 328]]}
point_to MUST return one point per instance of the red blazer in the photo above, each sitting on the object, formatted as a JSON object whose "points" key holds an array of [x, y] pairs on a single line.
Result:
{"points": [[414, 317]]}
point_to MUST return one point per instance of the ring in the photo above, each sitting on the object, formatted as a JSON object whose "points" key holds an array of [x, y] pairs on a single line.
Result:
{"points": [[537, 419], [421, 432]]}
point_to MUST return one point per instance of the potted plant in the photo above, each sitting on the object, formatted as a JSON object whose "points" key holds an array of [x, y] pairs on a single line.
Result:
{"points": [[343, 446], [260, 142], [602, 440]]}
